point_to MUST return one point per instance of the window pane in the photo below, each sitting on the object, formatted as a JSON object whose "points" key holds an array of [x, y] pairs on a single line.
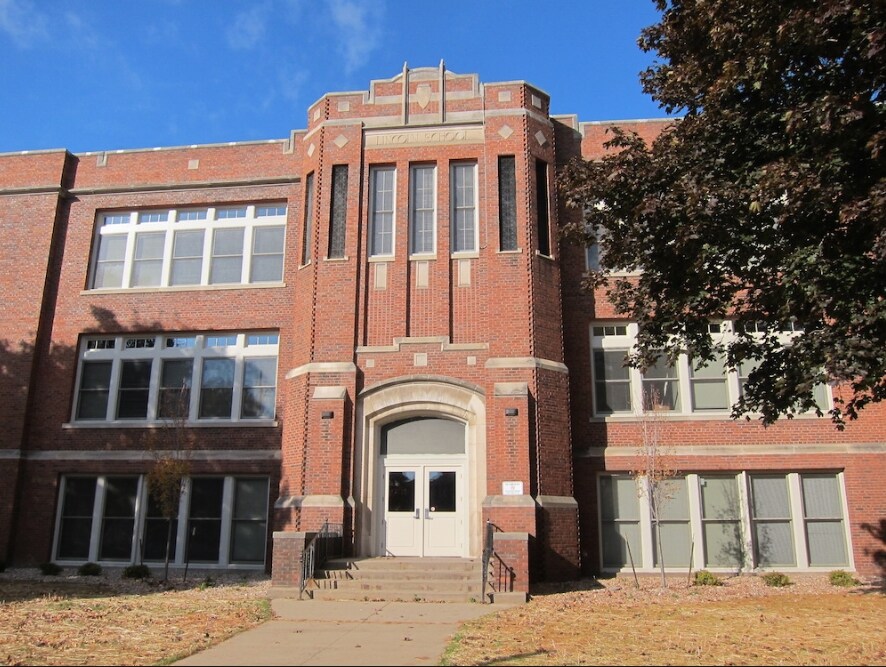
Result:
{"points": [[507, 203], [769, 497], [618, 499], [774, 543], [307, 236], [259, 388], [612, 383], [821, 497], [338, 215], [267, 255], [147, 263], [76, 523], [95, 383], [187, 258], [227, 256], [382, 212], [156, 532], [709, 388], [542, 203], [464, 215], [441, 491], [423, 206], [676, 543], [135, 382], [621, 544], [109, 263], [673, 500], [118, 521], [217, 388], [720, 514], [620, 514], [175, 389], [661, 389], [249, 529], [401, 491], [827, 543], [204, 519]]}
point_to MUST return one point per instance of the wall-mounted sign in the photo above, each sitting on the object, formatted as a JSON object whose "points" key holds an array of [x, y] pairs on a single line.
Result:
{"points": [[512, 488]]}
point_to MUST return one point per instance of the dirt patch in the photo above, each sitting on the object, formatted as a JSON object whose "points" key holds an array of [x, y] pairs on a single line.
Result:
{"points": [[108, 620], [612, 622]]}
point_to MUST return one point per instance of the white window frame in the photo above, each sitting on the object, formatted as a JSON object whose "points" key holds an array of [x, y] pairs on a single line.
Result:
{"points": [[373, 211], [645, 561], [178, 557], [720, 332], [237, 348], [456, 206], [128, 225], [414, 209]]}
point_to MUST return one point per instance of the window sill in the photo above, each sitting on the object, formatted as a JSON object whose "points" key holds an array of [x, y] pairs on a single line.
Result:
{"points": [[422, 257], [336, 259], [381, 258], [203, 423], [539, 253], [473, 254], [181, 288], [516, 251]]}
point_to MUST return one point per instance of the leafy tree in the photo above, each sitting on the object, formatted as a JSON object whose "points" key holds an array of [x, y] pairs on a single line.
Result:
{"points": [[763, 203]]}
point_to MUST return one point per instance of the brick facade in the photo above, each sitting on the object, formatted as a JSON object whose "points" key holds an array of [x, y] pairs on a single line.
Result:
{"points": [[493, 338]]}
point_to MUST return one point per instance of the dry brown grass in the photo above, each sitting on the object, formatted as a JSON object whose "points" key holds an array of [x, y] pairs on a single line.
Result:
{"points": [[741, 623], [85, 620]]}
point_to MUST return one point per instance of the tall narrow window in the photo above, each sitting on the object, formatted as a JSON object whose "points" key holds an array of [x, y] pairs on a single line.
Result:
{"points": [[620, 515], [259, 388], [95, 387], [135, 383], [771, 521], [205, 519], [382, 212], [307, 238], [464, 204], [720, 522], [422, 209], [175, 389], [118, 520], [110, 261], [544, 231], [673, 522], [75, 527], [823, 513], [338, 214], [507, 203], [249, 520], [612, 381]]}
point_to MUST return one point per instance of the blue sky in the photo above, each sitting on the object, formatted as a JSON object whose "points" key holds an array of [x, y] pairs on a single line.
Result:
{"points": [[91, 75]]}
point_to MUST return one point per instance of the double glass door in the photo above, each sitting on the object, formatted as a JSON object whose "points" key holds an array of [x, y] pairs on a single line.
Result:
{"points": [[423, 510]]}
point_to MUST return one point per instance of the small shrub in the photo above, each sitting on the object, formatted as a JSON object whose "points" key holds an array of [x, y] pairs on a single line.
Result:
{"points": [[90, 570], [136, 572], [208, 582], [50, 569], [842, 578], [705, 578], [776, 579]]}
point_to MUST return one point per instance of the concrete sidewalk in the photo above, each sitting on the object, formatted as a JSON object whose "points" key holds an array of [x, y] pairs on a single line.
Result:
{"points": [[319, 632]]}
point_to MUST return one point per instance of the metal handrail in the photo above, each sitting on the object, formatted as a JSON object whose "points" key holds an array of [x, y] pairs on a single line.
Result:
{"points": [[319, 549], [505, 574]]}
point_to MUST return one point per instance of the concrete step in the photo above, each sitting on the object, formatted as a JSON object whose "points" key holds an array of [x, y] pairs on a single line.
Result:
{"points": [[402, 579]]}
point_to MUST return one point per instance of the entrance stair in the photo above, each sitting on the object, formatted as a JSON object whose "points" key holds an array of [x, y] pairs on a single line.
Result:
{"points": [[400, 579]]}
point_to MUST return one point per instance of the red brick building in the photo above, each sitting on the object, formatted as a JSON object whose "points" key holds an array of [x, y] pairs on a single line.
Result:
{"points": [[372, 323]]}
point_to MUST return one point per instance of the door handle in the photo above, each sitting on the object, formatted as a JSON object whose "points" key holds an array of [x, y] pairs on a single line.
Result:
{"points": [[427, 513], [417, 515]]}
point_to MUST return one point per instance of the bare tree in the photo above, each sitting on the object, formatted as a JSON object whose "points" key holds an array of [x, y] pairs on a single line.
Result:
{"points": [[166, 479], [655, 472]]}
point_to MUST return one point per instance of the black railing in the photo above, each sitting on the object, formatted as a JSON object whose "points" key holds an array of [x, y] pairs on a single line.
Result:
{"points": [[502, 579], [325, 544]]}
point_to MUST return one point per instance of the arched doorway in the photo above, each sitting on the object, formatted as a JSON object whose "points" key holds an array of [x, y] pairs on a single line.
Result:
{"points": [[423, 497], [420, 444]]}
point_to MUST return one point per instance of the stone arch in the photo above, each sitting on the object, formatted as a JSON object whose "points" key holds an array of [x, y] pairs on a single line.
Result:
{"points": [[416, 396]]}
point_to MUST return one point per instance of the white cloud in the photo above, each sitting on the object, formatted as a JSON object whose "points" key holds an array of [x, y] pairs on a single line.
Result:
{"points": [[248, 28], [359, 27], [22, 22], [83, 33]]}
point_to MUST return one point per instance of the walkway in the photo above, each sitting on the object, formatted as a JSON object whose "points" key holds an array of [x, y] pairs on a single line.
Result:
{"points": [[319, 632]]}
